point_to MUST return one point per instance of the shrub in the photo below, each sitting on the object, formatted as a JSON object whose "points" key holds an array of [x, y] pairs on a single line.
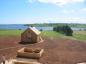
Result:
{"points": [[64, 29]]}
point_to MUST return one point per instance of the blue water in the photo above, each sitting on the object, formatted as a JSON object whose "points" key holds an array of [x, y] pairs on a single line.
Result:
{"points": [[13, 26], [45, 28], [77, 29], [21, 26]]}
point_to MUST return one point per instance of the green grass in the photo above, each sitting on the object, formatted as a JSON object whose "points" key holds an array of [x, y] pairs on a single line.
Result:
{"points": [[79, 35], [51, 34], [10, 32], [48, 34]]}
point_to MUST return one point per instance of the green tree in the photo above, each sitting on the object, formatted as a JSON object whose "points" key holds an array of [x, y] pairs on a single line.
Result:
{"points": [[64, 29]]}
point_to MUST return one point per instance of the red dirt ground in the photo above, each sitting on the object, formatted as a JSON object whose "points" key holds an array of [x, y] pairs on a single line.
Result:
{"points": [[57, 51]]}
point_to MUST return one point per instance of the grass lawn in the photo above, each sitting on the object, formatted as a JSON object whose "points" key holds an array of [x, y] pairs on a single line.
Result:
{"points": [[51, 34], [48, 34], [4, 33], [79, 35]]}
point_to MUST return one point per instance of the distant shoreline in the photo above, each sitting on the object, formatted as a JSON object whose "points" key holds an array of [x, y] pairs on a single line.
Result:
{"points": [[40, 26]]}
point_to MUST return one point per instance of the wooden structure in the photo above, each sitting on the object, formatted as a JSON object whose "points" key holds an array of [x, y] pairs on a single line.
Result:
{"points": [[26, 56], [21, 61], [30, 52], [31, 35]]}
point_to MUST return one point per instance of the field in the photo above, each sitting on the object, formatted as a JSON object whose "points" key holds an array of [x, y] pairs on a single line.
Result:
{"points": [[4, 33], [59, 49], [79, 35]]}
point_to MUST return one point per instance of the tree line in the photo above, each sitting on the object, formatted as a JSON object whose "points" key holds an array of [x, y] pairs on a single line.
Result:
{"points": [[55, 24]]}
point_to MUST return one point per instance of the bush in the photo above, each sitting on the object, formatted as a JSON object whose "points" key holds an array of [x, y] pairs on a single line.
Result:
{"points": [[65, 29]]}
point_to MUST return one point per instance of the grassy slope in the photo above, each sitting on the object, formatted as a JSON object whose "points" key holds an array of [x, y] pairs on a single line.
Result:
{"points": [[10, 32], [79, 35], [51, 34]]}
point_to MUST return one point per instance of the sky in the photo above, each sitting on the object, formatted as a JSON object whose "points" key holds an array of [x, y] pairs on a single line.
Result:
{"points": [[42, 11]]}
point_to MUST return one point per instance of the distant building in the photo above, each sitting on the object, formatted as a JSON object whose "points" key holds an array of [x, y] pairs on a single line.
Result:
{"points": [[31, 35]]}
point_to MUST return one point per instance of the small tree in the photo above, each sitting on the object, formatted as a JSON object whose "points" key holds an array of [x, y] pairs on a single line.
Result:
{"points": [[65, 29], [68, 31]]}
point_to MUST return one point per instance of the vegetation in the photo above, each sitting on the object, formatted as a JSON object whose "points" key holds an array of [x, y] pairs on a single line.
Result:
{"points": [[55, 24], [37, 25], [51, 34], [65, 29], [10, 32], [79, 35]]}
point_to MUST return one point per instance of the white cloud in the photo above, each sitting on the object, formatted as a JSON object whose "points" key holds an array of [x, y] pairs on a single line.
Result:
{"points": [[46, 20], [69, 20], [31, 1], [59, 2], [68, 11], [83, 10]]}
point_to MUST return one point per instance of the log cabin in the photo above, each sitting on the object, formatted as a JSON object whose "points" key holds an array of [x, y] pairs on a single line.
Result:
{"points": [[31, 35]]}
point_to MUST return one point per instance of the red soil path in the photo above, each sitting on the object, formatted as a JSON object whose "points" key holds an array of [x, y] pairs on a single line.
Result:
{"points": [[57, 51]]}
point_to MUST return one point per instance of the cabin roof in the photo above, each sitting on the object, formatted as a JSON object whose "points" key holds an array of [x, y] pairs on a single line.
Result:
{"points": [[34, 30]]}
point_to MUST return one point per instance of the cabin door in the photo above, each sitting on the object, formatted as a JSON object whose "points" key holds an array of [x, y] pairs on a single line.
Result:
{"points": [[29, 38]]}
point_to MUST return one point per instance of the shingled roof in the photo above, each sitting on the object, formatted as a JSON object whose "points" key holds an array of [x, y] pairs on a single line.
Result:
{"points": [[36, 31], [33, 29]]}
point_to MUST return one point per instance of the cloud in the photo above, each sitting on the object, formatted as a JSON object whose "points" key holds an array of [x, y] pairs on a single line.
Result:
{"points": [[31, 1], [68, 11], [59, 2], [83, 10], [69, 20]]}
